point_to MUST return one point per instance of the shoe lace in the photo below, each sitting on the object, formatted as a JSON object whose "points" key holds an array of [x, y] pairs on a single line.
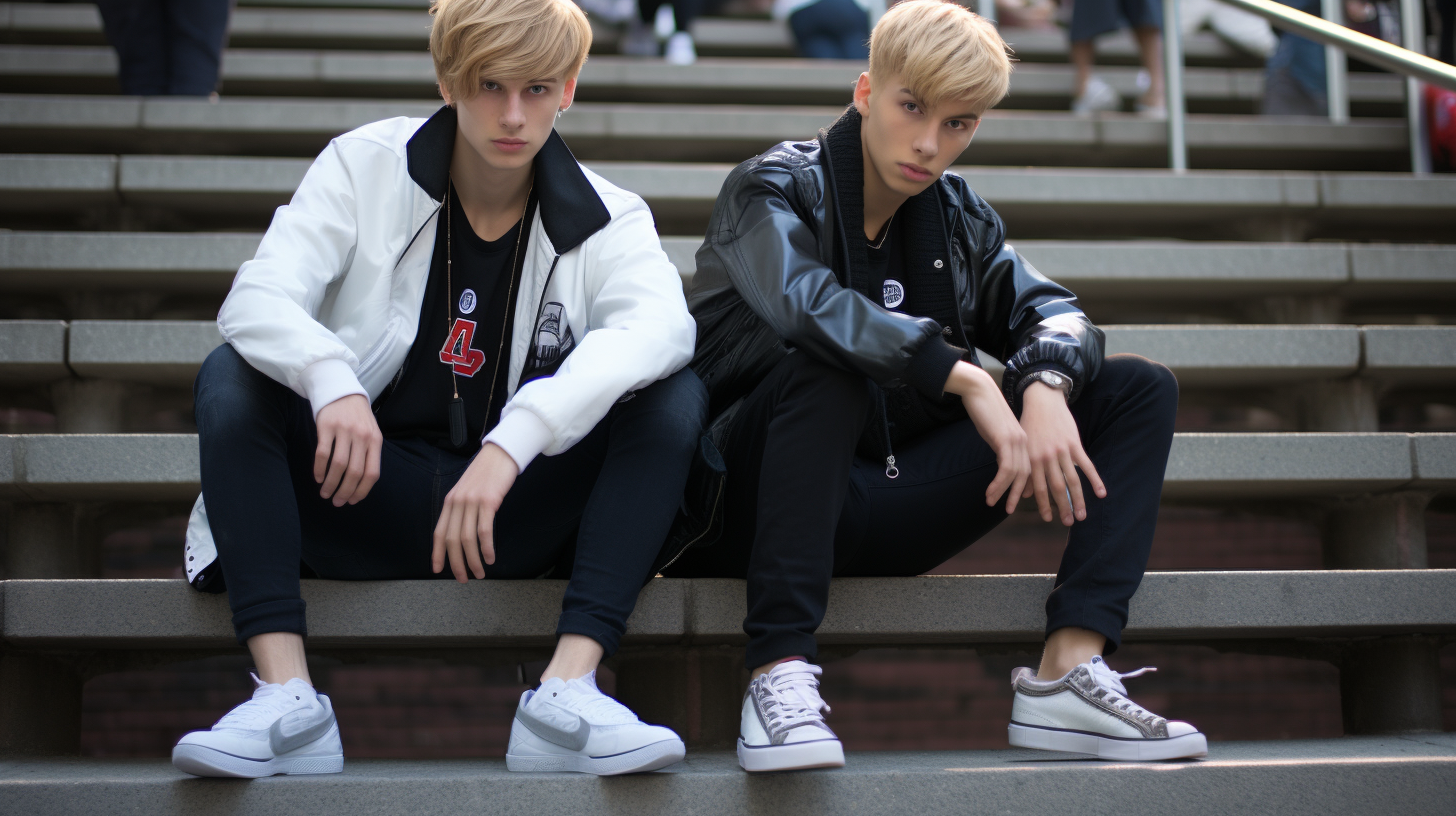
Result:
{"points": [[603, 710], [1117, 692], [267, 705], [793, 698]]}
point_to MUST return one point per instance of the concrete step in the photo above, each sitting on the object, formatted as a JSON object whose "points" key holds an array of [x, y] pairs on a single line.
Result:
{"points": [[1108, 276], [371, 24], [167, 614], [613, 131], [747, 81], [1203, 468], [165, 352], [203, 191], [1413, 775]]}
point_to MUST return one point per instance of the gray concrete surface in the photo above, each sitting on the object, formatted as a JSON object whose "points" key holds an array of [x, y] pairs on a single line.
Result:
{"points": [[171, 262], [1411, 355], [32, 351], [966, 610], [1413, 775], [1203, 467], [675, 132], [161, 352], [1049, 202], [1212, 356]]}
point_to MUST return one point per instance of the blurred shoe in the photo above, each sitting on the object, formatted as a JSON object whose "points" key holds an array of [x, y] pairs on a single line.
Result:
{"points": [[680, 50], [1098, 96], [1088, 712], [638, 40], [665, 23], [782, 726], [1146, 111]]}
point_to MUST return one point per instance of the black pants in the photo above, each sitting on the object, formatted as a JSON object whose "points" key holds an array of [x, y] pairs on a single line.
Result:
{"points": [[597, 513], [167, 46], [802, 508]]}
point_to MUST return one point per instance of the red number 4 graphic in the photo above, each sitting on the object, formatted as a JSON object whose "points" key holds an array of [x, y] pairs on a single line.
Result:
{"points": [[457, 352]]}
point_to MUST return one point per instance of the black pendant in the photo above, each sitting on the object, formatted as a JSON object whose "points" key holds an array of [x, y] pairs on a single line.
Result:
{"points": [[457, 422]]}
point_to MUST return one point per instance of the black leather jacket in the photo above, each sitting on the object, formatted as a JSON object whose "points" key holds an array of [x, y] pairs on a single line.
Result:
{"points": [[768, 280]]}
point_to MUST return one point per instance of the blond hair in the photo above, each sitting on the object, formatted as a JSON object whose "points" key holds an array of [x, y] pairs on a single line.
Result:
{"points": [[507, 39], [942, 52]]}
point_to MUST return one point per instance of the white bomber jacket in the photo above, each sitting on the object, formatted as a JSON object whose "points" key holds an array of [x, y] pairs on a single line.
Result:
{"points": [[330, 304]]}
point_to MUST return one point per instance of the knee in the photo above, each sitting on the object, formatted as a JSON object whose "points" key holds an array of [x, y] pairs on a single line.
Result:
{"points": [[828, 387], [1149, 382], [224, 386], [678, 404]]}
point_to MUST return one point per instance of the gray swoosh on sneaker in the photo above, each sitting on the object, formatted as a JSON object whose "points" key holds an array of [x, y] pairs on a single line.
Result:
{"points": [[283, 743], [574, 740]]}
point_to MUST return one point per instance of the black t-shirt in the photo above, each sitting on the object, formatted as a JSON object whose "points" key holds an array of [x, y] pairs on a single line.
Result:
{"points": [[469, 340], [886, 264]]}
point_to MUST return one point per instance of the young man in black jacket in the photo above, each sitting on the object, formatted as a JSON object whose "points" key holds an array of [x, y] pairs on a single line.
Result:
{"points": [[840, 293]]}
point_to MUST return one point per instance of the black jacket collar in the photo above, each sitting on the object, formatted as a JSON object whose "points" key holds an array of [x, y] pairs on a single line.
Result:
{"points": [[571, 210]]}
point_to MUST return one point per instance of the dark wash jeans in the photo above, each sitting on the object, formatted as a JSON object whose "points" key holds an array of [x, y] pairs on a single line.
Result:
{"points": [[167, 46], [597, 513], [801, 507]]}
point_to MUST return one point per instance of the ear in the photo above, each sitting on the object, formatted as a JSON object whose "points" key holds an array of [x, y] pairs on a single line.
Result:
{"points": [[445, 94], [862, 94], [568, 93]]}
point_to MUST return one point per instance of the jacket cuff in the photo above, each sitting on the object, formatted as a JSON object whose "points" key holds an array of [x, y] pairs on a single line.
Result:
{"points": [[930, 367], [1013, 387], [329, 380], [521, 434]]}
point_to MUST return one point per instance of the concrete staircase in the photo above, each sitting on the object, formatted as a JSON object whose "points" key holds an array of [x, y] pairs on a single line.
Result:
{"points": [[1299, 271]]}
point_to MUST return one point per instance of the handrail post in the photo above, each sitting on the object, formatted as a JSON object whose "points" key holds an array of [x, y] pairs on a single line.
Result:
{"points": [[1413, 38], [987, 9], [1336, 82], [1173, 87]]}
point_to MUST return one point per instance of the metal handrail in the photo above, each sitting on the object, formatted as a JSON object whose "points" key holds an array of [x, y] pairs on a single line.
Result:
{"points": [[1372, 50], [1414, 66]]}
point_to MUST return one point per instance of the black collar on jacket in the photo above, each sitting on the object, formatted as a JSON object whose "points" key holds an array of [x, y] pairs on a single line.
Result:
{"points": [[571, 210], [929, 289]]}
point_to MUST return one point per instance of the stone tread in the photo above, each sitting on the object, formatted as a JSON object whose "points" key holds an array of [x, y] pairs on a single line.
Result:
{"points": [[304, 71], [371, 21], [1202, 467], [1414, 776], [1142, 270], [676, 131], [865, 612]]}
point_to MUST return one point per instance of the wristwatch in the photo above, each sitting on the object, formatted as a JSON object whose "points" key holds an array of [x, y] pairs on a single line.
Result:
{"points": [[1056, 380]]}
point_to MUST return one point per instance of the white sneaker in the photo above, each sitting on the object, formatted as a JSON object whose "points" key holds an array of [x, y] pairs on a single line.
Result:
{"points": [[680, 49], [664, 22], [1088, 712], [287, 729], [568, 725], [1098, 96], [783, 722]]}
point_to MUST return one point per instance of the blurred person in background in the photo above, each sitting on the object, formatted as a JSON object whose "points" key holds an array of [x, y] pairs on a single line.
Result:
{"points": [[830, 29], [1247, 32], [1294, 79], [167, 47], [664, 20], [1093, 18]]}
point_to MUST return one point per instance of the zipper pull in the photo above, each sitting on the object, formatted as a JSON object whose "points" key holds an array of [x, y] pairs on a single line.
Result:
{"points": [[891, 471]]}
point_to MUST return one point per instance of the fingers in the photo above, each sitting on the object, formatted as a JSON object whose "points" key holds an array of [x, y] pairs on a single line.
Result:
{"points": [[485, 527], [468, 533], [1074, 486], [338, 464], [353, 473], [437, 553], [373, 451], [1005, 476], [1056, 485], [452, 540], [322, 452], [1039, 489], [1019, 487], [1080, 457]]}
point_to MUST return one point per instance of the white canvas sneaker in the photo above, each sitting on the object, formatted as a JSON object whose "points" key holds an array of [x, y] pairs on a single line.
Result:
{"points": [[783, 728], [287, 729], [568, 725], [1088, 712], [680, 49]]}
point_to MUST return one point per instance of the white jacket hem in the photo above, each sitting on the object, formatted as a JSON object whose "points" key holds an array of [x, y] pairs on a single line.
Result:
{"points": [[521, 434], [329, 380]]}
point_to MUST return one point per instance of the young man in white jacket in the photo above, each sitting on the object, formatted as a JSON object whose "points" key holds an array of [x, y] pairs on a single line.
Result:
{"points": [[457, 352]]}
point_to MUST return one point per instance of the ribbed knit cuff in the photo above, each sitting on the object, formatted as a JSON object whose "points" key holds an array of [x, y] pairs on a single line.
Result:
{"points": [[329, 380], [521, 434], [931, 366]]}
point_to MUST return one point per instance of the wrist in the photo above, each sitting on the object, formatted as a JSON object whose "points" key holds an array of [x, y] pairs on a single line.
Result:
{"points": [[966, 379], [1039, 392]]}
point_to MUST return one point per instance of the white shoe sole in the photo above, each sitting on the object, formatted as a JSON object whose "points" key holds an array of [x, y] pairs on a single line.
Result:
{"points": [[1080, 742], [199, 760], [647, 758], [795, 756]]}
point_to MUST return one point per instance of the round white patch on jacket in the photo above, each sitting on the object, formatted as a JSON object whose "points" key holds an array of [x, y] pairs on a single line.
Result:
{"points": [[467, 301], [894, 293]]}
